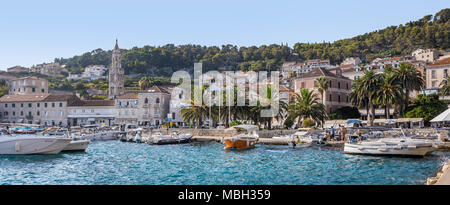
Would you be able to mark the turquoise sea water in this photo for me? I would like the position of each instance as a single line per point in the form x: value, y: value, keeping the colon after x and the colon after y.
x: 115, y: 162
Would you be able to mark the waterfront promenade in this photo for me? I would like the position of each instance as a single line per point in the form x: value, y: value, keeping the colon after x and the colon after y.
x: 444, y: 179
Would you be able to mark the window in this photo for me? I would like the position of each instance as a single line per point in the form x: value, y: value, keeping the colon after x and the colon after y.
x: 29, y: 114
x: 445, y: 73
x: 14, y: 113
x: 53, y: 104
x: 45, y: 104
x: 13, y: 105
x: 33, y: 90
x: 21, y: 113
x: 173, y: 116
x: 339, y: 98
x: 433, y: 84
x: 339, y: 85
x: 6, y: 104
x: 330, y: 99
x: 331, y: 84
x: 146, y: 100
x: 6, y: 113
x: 38, y: 104
x: 21, y: 104
x: 433, y: 74
x: 42, y: 90
x: 38, y: 113
x: 60, y: 104
x: 157, y: 100
x: 303, y: 85
x: 30, y: 105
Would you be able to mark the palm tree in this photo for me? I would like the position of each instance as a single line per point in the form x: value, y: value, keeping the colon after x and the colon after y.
x: 145, y: 83
x: 307, y: 105
x: 368, y: 86
x: 322, y: 85
x: 444, y: 89
x: 410, y: 79
x: 358, y: 97
x: 195, y: 113
x: 388, y: 92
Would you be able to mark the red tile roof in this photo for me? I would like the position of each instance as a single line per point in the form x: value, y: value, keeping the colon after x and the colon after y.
x: 128, y: 96
x: 40, y: 98
x: 445, y: 61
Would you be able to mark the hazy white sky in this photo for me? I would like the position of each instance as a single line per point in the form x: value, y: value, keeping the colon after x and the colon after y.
x: 33, y: 32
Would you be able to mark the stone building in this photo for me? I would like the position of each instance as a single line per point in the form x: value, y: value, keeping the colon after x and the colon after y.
x: 426, y: 55
x: 148, y: 107
x: 116, y: 74
x: 18, y: 69
x: 43, y: 109
x: 28, y: 85
x: 92, y: 72
x: 91, y: 112
x: 436, y: 73
x: 339, y: 87
x: 50, y: 69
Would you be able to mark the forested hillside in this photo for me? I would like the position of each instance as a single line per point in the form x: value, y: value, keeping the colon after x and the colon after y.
x: 428, y: 32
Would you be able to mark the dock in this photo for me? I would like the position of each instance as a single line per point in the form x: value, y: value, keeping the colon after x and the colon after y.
x: 444, y: 175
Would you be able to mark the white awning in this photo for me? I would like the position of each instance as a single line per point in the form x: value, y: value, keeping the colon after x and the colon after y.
x: 443, y: 117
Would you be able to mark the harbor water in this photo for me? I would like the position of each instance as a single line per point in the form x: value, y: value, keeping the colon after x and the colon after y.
x: 198, y: 163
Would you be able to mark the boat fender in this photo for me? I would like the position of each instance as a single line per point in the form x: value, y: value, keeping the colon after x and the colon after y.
x: 18, y: 146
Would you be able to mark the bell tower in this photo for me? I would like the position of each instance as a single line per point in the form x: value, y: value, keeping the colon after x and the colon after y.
x: 116, y: 74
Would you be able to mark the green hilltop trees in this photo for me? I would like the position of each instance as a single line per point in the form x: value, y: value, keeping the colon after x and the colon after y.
x: 428, y: 32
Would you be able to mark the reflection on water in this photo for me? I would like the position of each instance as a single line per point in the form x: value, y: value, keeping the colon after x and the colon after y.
x: 116, y: 162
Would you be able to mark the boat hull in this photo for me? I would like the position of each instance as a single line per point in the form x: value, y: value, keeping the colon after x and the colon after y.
x: 77, y: 146
x: 389, y: 150
x: 170, y: 140
x: 239, y: 144
x: 101, y: 136
x: 32, y: 145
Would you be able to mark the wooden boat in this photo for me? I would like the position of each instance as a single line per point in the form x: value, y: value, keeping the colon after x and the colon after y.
x: 245, y: 139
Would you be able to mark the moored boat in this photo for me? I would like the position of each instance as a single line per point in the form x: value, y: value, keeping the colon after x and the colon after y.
x: 77, y: 146
x: 396, y: 147
x: 174, y: 138
x: 31, y: 144
x: 245, y: 139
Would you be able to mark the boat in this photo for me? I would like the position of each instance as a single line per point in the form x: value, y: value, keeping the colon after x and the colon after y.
x: 393, y: 146
x: 77, y: 146
x: 100, y: 135
x: 301, y: 139
x: 175, y: 138
x: 245, y: 139
x: 19, y: 144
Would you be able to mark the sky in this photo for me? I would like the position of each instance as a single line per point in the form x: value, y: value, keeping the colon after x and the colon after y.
x: 34, y: 32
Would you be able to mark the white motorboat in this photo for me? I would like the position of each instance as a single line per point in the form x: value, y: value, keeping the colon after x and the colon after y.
x: 301, y: 139
x: 393, y: 146
x: 174, y: 138
x: 101, y: 136
x: 77, y: 146
x: 31, y: 144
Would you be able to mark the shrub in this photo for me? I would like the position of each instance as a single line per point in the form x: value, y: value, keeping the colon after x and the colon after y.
x: 308, y: 122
